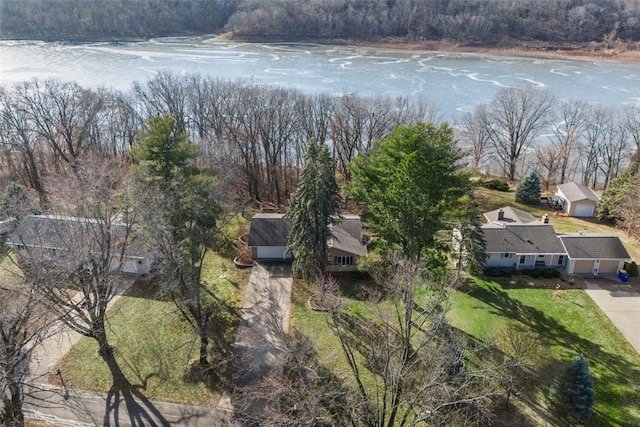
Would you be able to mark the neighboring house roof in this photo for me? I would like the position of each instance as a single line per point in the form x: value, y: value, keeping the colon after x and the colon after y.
x: 522, y: 239
x: 268, y: 229
x: 344, y: 241
x: 575, y: 192
x: 61, y: 233
x: 593, y: 246
x: 510, y: 216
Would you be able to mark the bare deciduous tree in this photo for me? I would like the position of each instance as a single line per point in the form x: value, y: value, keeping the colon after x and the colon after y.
x: 516, y: 117
x: 24, y: 324
x: 567, y: 132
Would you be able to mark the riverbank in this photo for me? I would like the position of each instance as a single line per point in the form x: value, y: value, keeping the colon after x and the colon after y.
x: 591, y: 51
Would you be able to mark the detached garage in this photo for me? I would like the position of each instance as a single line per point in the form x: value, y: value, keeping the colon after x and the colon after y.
x: 594, y: 254
x: 577, y: 199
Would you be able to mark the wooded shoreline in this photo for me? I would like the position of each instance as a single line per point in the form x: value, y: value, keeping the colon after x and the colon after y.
x: 579, y: 52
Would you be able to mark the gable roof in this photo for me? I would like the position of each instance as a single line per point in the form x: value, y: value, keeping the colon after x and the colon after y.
x: 510, y: 216
x: 575, y: 192
x: 269, y: 229
x: 522, y: 239
x: 344, y: 241
x: 594, y: 246
x: 64, y: 233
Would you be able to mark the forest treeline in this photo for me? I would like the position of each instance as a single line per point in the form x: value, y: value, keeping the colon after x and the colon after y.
x: 253, y: 137
x: 480, y: 22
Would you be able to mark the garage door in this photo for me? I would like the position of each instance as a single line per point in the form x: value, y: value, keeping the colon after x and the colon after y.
x: 583, y: 210
x: 609, y: 266
x: 583, y: 267
x: 271, y: 252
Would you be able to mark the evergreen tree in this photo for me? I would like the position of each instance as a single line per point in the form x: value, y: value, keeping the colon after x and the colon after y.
x: 528, y: 190
x: 468, y: 238
x: 573, y: 396
x: 182, y: 217
x: 624, y: 185
x: 413, y: 188
x: 313, y: 207
x: 18, y: 203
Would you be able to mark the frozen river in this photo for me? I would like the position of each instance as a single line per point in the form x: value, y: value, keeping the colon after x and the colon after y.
x: 456, y: 81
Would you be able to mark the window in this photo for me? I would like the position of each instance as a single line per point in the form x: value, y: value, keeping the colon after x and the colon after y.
x: 505, y: 255
x: 343, y: 260
x: 560, y: 259
x: 540, y: 256
x: 523, y: 258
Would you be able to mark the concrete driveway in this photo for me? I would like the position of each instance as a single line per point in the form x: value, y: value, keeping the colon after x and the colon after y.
x: 621, y: 303
x: 262, y: 333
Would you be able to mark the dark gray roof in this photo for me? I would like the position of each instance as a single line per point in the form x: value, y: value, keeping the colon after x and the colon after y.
x: 511, y: 216
x: 63, y: 233
x: 575, y: 192
x: 344, y: 241
x: 594, y: 247
x: 273, y: 230
x: 269, y: 230
x: 522, y: 239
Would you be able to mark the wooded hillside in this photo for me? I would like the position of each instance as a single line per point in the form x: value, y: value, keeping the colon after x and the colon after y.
x: 471, y: 22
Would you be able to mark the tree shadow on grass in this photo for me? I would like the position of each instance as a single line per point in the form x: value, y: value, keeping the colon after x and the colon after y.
x: 614, y: 374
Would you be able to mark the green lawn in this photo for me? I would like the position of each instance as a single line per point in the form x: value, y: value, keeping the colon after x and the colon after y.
x: 568, y: 324
x: 154, y: 345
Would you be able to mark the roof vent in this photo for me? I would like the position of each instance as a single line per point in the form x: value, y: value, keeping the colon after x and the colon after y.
x: 545, y: 219
x: 500, y: 214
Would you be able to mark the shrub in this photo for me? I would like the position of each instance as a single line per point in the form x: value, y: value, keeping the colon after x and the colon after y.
x: 495, y: 184
x: 632, y: 268
x: 551, y: 273
x: 497, y: 271
x: 535, y: 273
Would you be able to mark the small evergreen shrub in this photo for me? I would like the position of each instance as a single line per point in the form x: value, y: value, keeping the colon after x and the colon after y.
x: 632, y: 268
x: 572, y: 394
x: 528, y: 190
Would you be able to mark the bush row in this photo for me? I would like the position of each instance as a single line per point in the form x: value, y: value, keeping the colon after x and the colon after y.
x: 545, y: 273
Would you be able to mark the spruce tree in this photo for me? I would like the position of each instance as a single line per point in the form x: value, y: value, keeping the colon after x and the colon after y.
x: 312, y: 209
x: 573, y: 396
x: 18, y: 203
x: 528, y: 190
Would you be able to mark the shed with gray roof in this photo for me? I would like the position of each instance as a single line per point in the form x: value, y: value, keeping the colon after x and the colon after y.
x: 577, y: 199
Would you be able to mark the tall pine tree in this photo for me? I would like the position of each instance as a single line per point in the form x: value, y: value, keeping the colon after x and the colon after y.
x: 312, y: 209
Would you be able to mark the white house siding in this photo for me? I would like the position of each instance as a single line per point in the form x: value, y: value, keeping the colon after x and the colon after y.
x: 496, y: 259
